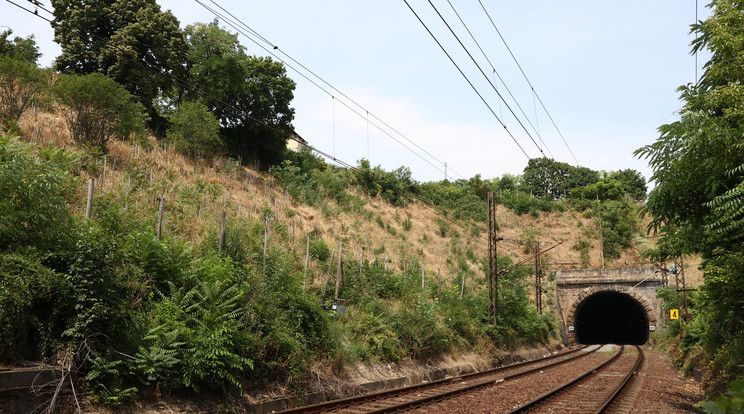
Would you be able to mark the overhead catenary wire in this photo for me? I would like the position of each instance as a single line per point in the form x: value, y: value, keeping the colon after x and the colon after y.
x: 496, y: 73
x: 234, y: 21
x: 482, y: 72
x: 27, y: 10
x: 221, y: 102
x: 467, y: 79
x: 528, y: 81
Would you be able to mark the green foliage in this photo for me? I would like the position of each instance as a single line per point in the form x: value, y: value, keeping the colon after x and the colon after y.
x: 582, y: 246
x: 19, y: 48
x: 522, y: 203
x: 618, y: 221
x: 633, y: 183
x: 308, y: 178
x: 697, y: 163
x: 132, y: 42
x: 21, y: 84
x: 459, y: 197
x: 319, y: 250
x: 194, y: 130
x: 407, y: 224
x: 98, y: 108
x: 545, y: 177
x: 392, y: 186
x: 607, y: 188
x: 732, y: 402
x: 33, y: 195
x: 249, y: 95
x: 33, y: 308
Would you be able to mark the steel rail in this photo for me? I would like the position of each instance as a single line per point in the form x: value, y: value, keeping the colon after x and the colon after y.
x: 386, y: 394
x: 624, y: 384
x: 441, y: 396
x: 531, y: 405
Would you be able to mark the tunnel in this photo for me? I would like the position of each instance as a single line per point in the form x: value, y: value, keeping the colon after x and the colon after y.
x: 611, y: 318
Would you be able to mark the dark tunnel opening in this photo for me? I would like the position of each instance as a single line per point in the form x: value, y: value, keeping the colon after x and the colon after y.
x: 611, y: 318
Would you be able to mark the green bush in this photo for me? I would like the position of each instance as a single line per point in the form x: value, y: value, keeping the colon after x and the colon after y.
x: 98, y: 108
x: 319, y: 250
x: 34, y: 308
x: 33, y: 196
x: 194, y: 130
x: 21, y: 84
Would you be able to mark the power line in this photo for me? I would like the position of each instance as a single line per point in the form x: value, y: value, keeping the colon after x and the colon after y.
x: 29, y: 11
x: 528, y: 80
x: 483, y: 73
x: 225, y: 104
x: 499, y: 76
x: 234, y: 21
x: 467, y: 79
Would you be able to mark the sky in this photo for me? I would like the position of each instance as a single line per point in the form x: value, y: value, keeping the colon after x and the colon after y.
x: 606, y: 71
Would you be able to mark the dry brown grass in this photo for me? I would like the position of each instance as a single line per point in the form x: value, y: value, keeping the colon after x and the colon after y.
x: 245, y: 191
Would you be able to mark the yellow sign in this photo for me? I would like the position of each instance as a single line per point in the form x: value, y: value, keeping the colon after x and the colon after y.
x: 673, y: 313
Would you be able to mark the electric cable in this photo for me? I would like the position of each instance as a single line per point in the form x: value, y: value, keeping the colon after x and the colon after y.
x: 273, y: 128
x: 528, y: 81
x: 495, y: 72
x: 467, y: 79
x: 484, y: 75
x: 272, y: 46
x: 27, y: 10
x: 270, y: 51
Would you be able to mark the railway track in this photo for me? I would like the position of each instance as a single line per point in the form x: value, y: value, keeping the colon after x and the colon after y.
x: 595, y: 391
x: 418, y: 395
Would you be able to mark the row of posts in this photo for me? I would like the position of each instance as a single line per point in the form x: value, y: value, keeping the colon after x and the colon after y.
x: 221, y: 242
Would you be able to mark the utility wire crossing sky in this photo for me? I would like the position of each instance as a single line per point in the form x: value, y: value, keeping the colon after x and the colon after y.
x: 583, y: 83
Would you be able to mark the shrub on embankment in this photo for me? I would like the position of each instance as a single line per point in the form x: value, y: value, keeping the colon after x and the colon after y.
x: 137, y: 312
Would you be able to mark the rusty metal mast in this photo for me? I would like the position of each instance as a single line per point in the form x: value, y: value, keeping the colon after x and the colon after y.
x: 538, y: 279
x: 493, y: 285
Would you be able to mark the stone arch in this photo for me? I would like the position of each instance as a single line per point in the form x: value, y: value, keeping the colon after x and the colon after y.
x: 638, y: 297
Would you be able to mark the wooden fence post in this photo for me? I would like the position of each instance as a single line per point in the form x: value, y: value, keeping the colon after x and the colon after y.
x: 423, y: 272
x: 222, y: 234
x: 307, y: 263
x: 160, y: 217
x: 266, y: 241
x: 330, y: 267
x: 439, y: 282
x: 361, y: 262
x: 89, y: 205
x: 340, y: 271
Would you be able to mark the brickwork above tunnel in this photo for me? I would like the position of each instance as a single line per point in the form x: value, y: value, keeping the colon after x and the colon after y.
x: 575, y: 286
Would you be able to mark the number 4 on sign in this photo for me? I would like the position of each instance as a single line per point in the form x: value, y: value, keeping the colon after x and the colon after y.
x: 673, y: 313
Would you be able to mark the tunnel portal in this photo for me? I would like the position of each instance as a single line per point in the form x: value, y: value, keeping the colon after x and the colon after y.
x: 611, y: 317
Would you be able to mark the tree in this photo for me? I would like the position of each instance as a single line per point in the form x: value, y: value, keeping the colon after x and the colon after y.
x: 21, y: 84
x: 632, y: 182
x: 699, y: 176
x: 134, y: 42
x: 19, y: 48
x: 545, y: 177
x: 98, y: 108
x: 194, y: 130
x: 249, y: 95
